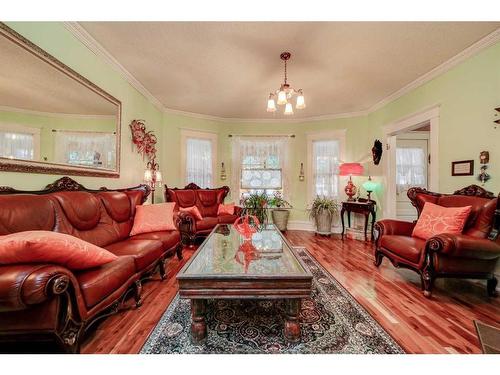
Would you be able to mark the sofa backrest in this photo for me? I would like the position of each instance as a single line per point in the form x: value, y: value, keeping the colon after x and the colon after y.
x: 480, y: 221
x: 207, y: 200
x: 98, y: 217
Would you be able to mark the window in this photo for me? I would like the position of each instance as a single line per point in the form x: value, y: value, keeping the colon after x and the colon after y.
x: 259, y: 165
x: 410, y: 168
x: 199, y: 158
x: 19, y: 142
x: 324, y: 154
x: 93, y: 149
x: 326, y: 168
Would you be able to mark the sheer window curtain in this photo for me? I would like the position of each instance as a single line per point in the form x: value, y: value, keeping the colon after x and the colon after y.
x: 269, y: 151
x: 325, y: 163
x: 410, y: 168
x: 199, y: 162
x: 17, y: 145
x: 95, y: 149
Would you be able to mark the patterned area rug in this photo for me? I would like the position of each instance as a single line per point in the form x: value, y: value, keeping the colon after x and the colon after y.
x: 331, y: 322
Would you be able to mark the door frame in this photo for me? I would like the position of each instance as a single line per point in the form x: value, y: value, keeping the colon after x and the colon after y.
x: 402, y: 125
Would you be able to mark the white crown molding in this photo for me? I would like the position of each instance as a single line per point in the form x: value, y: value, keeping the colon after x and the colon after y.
x: 57, y: 115
x: 470, y: 51
x: 93, y: 45
x: 83, y: 36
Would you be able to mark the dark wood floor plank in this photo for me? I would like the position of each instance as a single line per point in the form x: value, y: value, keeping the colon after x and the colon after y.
x: 442, y: 324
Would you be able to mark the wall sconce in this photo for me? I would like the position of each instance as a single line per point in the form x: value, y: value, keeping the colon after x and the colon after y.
x: 301, y: 174
x: 153, y: 177
x: 223, y: 175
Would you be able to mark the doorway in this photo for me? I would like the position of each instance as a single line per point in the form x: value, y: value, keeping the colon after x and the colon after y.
x: 412, y: 160
x: 416, y: 137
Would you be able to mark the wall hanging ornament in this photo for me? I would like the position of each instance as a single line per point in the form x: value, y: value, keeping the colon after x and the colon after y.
x: 144, y: 141
x: 484, y: 159
x: 377, y: 151
x: 496, y: 119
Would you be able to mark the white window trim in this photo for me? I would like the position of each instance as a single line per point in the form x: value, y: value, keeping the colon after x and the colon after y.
x: 331, y: 135
x: 212, y: 137
x: 16, y: 128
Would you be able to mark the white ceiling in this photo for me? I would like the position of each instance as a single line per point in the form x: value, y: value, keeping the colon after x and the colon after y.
x: 29, y: 83
x: 227, y: 69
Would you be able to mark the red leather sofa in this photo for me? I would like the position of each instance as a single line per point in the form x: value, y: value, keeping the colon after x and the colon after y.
x: 207, y: 201
x: 48, y: 301
x: 472, y: 254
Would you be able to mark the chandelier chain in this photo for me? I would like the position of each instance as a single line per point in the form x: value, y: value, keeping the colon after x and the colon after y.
x: 285, y: 73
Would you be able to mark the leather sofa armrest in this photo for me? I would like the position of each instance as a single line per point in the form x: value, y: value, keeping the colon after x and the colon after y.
x: 394, y: 227
x: 238, y: 211
x: 22, y: 285
x: 460, y: 245
x: 186, y: 222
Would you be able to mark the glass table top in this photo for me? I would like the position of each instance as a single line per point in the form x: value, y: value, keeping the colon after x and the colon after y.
x: 226, y: 252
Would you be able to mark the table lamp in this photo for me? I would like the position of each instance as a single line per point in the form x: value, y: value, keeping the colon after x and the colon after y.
x: 350, y: 169
x: 152, y: 176
x: 369, y: 186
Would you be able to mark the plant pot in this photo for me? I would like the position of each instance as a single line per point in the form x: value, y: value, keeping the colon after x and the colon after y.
x: 280, y: 218
x: 324, y: 223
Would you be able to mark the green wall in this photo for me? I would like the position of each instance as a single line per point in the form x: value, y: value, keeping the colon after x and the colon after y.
x: 46, y: 123
x: 467, y: 95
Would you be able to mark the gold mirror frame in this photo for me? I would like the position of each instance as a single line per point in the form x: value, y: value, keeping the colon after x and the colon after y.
x: 24, y: 166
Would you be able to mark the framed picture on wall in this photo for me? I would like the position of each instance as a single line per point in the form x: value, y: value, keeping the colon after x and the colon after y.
x: 462, y: 168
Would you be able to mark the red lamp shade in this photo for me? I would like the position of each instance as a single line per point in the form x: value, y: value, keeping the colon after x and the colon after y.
x: 351, y: 169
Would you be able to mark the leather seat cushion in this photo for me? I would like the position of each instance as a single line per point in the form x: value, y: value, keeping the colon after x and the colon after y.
x: 406, y: 247
x: 207, y: 223
x: 227, y: 219
x: 168, y: 238
x: 144, y: 252
x: 98, y: 283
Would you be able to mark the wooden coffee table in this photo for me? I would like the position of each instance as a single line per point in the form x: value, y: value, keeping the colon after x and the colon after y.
x: 228, y: 267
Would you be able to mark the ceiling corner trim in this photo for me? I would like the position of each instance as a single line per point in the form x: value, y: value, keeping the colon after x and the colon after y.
x: 93, y: 45
x: 473, y: 49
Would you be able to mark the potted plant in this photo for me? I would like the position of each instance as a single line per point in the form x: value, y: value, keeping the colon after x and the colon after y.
x: 281, y: 213
x: 323, y: 211
x: 256, y: 204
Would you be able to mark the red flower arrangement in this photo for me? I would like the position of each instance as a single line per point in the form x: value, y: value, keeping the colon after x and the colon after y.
x: 247, y: 225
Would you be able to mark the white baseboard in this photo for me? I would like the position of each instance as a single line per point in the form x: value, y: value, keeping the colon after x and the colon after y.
x: 308, y: 226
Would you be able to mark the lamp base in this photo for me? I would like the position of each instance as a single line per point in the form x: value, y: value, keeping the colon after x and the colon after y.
x: 350, y: 190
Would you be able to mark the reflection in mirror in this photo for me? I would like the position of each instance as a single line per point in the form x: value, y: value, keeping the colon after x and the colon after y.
x: 51, y: 115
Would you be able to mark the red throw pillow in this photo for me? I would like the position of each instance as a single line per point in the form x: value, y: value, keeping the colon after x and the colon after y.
x: 153, y: 218
x: 41, y: 246
x: 436, y: 219
x: 193, y: 210
x: 225, y: 209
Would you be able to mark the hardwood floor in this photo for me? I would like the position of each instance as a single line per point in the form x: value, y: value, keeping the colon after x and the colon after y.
x: 443, y: 324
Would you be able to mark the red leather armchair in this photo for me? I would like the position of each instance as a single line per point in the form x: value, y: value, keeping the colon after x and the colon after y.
x: 207, y: 201
x: 472, y: 254
x: 50, y: 302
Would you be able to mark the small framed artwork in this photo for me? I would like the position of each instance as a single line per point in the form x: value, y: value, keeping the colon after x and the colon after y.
x: 462, y: 168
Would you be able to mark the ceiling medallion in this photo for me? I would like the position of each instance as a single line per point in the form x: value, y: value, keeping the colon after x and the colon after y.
x: 285, y: 93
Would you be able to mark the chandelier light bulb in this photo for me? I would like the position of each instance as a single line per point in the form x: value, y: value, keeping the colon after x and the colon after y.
x: 301, y: 103
x: 271, y: 106
x: 288, y: 109
x: 282, y: 97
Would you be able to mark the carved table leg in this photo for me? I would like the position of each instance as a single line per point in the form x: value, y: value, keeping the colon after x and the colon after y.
x: 367, y: 214
x: 198, y: 323
x: 342, y: 211
x: 292, y: 326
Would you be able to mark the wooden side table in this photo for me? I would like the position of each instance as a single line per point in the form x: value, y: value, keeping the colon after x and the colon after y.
x: 365, y: 208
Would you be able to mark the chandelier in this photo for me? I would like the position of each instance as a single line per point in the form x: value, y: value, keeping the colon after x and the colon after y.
x: 285, y: 93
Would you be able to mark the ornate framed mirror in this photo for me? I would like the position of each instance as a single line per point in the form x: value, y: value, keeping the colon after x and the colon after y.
x: 52, y: 119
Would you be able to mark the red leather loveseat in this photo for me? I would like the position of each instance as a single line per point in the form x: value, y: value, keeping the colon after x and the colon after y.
x: 48, y: 301
x: 207, y: 201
